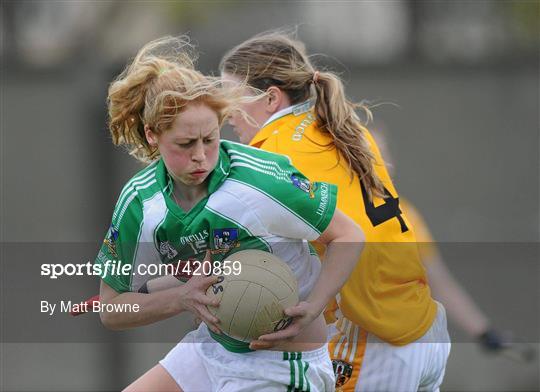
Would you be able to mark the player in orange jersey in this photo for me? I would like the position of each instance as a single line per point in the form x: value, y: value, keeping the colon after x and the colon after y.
x: 384, y: 314
x: 460, y: 306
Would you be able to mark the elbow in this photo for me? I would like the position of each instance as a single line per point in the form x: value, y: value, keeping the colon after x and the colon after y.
x: 110, y: 321
x: 357, y: 239
x: 357, y: 234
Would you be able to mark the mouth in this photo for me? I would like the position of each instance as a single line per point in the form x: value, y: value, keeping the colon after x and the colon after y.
x: 198, y: 173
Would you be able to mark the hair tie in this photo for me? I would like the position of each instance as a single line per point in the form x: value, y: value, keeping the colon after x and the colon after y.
x: 316, y: 76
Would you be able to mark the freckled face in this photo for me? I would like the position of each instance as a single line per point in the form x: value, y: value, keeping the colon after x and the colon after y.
x: 190, y: 148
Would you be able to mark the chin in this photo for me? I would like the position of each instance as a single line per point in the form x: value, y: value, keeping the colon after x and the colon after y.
x: 198, y: 181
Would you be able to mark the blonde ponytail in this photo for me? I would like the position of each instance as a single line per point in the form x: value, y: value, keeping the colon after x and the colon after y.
x: 336, y: 115
x: 275, y: 59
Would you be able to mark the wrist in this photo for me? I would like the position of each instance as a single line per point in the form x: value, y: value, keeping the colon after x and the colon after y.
x: 178, y: 300
x: 318, y: 305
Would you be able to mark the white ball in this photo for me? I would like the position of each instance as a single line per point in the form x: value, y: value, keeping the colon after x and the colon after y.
x: 253, y: 303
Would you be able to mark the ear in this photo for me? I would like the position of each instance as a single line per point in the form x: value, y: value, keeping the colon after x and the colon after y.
x: 274, y: 99
x: 151, y: 137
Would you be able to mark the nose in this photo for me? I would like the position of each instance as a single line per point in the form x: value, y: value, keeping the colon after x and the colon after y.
x: 198, y: 153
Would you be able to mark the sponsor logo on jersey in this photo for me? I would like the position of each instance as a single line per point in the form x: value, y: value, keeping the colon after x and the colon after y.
x: 102, y: 257
x: 200, y: 236
x: 342, y: 370
x: 167, y: 250
x: 225, y: 240
x: 324, y: 199
x: 110, y: 240
x: 305, y: 185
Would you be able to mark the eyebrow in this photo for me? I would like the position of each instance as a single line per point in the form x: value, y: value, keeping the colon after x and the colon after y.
x: 195, y: 138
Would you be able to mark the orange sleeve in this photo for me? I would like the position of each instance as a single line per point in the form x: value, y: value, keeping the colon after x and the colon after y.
x: 426, y: 244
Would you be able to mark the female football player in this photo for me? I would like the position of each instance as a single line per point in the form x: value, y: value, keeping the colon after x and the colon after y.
x: 194, y: 189
x: 460, y: 306
x: 384, y: 312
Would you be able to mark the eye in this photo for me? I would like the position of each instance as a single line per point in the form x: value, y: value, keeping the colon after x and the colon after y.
x: 185, y: 145
x: 209, y: 140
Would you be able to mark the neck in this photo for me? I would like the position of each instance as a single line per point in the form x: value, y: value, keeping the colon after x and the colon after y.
x: 188, y: 196
x: 285, y: 107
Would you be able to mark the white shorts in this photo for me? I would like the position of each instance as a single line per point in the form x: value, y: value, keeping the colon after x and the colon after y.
x: 199, y: 363
x: 366, y: 363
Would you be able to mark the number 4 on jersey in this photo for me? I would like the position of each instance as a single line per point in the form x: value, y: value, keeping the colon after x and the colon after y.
x: 390, y: 209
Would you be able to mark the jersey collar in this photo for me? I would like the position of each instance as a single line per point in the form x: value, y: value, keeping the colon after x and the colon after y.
x: 265, y: 132
x: 221, y: 171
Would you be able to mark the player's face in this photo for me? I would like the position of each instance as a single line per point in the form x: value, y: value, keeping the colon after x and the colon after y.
x: 190, y: 148
x: 257, y: 111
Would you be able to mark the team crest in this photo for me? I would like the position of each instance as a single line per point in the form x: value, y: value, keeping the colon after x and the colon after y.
x: 225, y: 240
x: 166, y: 249
x: 110, y: 241
x: 304, y: 185
x: 342, y: 370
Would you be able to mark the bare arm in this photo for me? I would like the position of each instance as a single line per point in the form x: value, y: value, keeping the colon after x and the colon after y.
x: 159, y: 305
x: 345, y: 241
x: 460, y: 306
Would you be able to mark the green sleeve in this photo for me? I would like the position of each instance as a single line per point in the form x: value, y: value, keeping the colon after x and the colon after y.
x: 120, y: 245
x: 287, y: 203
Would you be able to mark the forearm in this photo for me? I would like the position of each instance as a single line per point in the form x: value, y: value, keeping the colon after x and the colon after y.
x: 344, y: 242
x: 340, y: 260
x: 152, y: 308
x: 460, y: 306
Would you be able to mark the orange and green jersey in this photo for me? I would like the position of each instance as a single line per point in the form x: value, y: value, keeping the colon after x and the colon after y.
x: 387, y: 293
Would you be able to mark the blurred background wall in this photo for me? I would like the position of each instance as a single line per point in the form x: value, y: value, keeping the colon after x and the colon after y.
x: 456, y: 88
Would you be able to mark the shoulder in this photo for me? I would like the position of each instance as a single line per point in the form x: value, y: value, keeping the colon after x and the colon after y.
x: 298, y: 134
x: 237, y: 151
x: 142, y: 180
x: 257, y: 172
x: 142, y: 186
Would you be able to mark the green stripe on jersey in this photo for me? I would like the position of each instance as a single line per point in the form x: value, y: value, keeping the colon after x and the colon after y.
x: 271, y: 168
x: 273, y: 175
x: 141, y: 178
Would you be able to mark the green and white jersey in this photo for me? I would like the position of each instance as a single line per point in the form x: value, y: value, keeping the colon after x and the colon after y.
x: 256, y: 200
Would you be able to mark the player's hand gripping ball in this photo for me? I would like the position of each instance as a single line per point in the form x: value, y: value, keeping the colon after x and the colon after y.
x: 253, y: 303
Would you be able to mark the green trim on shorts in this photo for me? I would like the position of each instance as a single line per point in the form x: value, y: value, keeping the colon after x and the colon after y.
x: 301, y: 375
x: 292, y: 383
x: 303, y: 382
x: 306, y: 367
